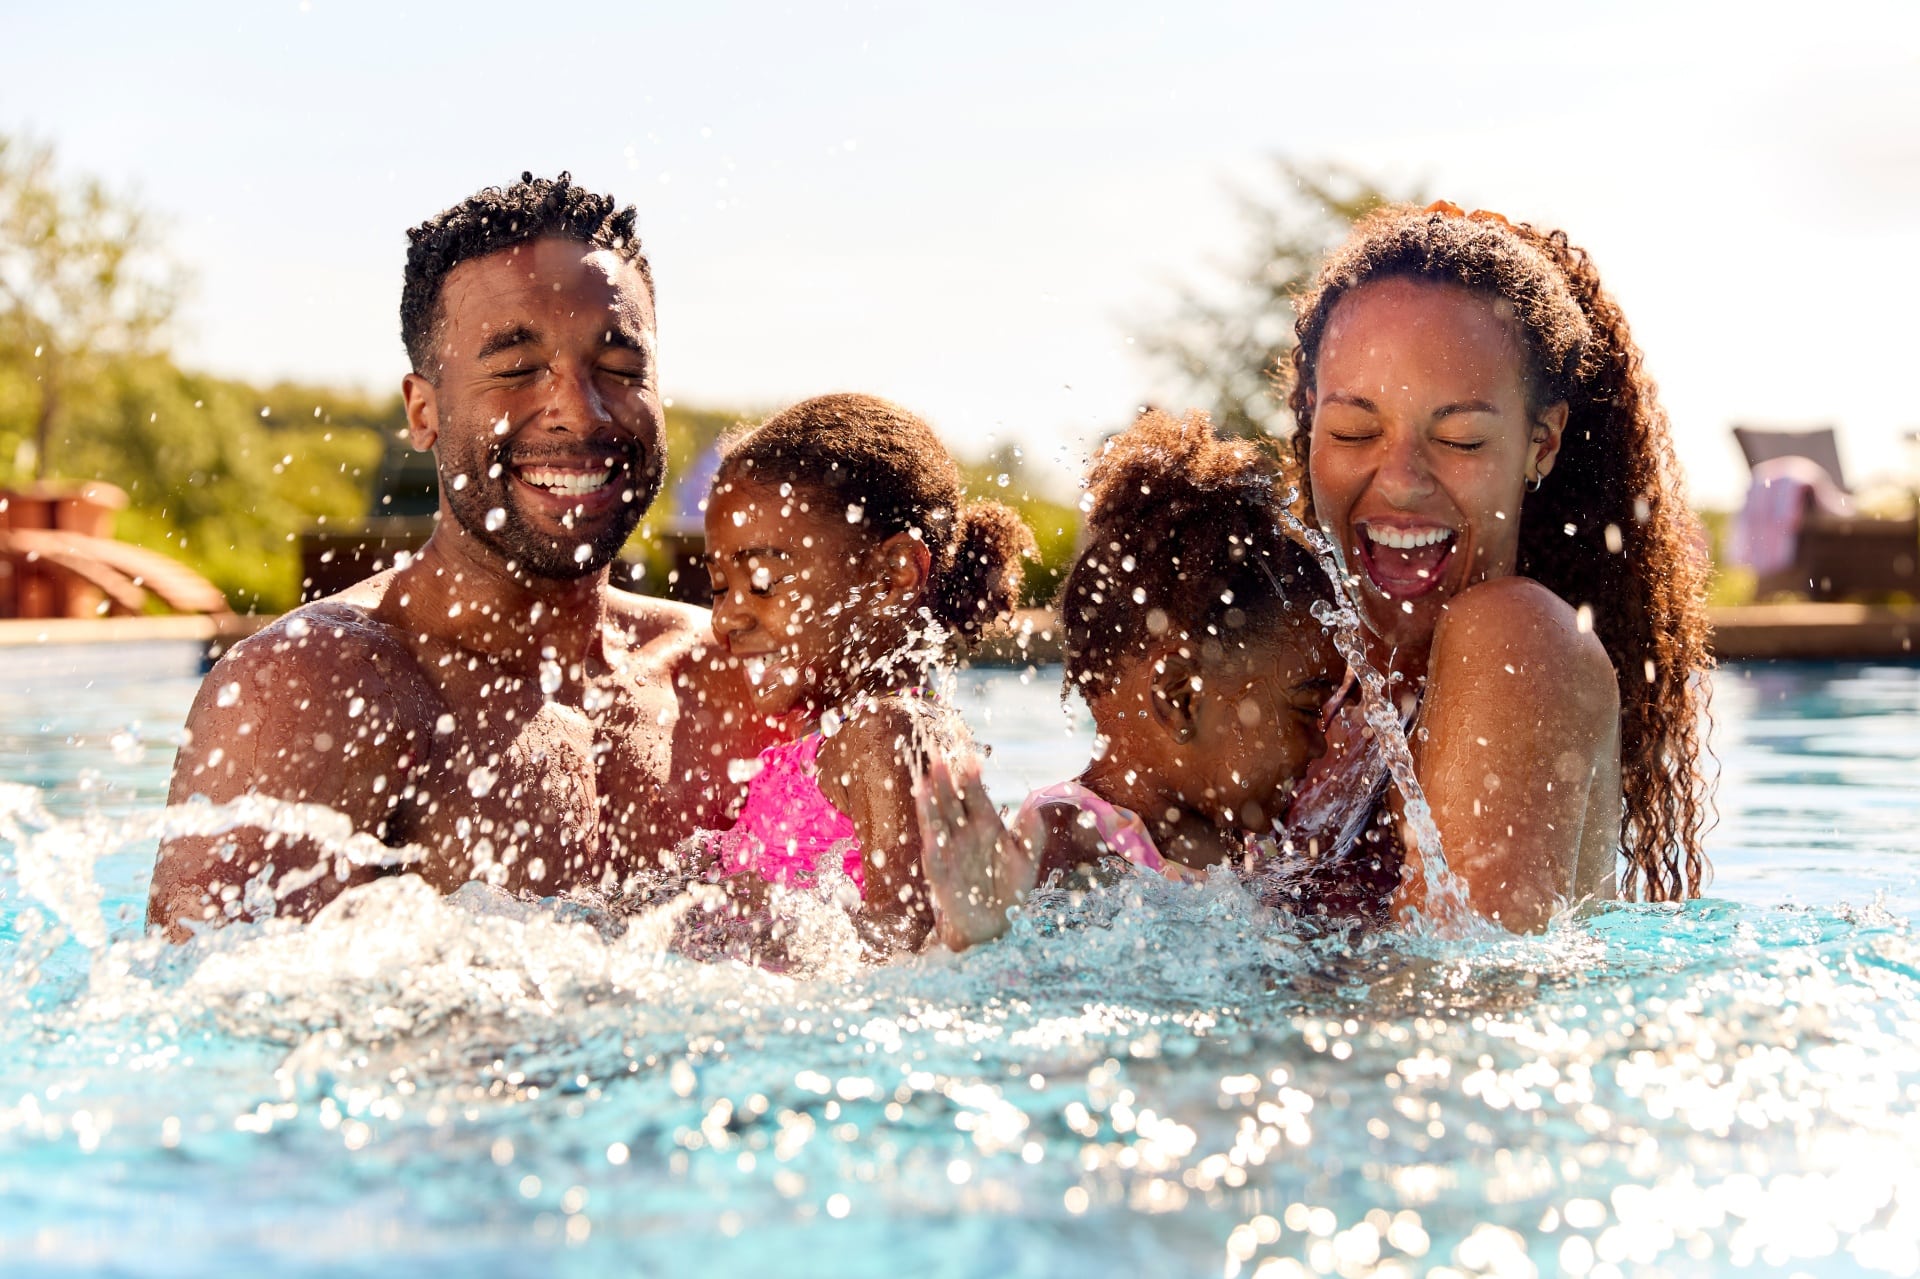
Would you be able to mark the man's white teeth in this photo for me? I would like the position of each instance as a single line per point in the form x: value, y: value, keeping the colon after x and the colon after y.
x: 1408, y: 540
x: 572, y: 483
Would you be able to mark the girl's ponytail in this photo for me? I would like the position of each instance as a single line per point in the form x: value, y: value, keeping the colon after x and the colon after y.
x: 980, y: 584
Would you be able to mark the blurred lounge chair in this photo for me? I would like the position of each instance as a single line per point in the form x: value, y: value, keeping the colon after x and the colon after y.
x: 1799, y: 530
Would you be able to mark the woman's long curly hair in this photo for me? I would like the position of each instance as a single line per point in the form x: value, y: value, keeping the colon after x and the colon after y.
x: 1609, y: 529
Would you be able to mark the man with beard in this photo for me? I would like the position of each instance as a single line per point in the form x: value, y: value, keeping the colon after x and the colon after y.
x: 491, y: 709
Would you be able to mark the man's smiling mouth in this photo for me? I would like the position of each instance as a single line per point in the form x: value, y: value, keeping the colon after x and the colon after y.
x: 568, y: 481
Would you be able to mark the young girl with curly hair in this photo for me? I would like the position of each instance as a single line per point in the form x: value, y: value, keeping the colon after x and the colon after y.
x: 847, y: 572
x: 1477, y: 436
x: 1189, y: 630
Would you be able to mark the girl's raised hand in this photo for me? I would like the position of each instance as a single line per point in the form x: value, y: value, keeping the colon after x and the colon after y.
x: 976, y: 868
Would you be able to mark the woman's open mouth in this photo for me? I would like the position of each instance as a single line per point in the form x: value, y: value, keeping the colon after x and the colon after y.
x: 1405, y: 563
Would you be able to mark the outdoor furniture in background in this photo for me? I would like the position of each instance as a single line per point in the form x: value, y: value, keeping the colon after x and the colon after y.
x: 1799, y: 531
x: 59, y: 559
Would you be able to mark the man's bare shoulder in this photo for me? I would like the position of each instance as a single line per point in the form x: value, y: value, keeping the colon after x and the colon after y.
x: 338, y: 635
x: 294, y: 707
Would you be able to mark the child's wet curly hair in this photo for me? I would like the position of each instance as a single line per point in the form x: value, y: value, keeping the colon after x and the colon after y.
x: 876, y: 458
x: 1185, y: 539
x: 1609, y: 528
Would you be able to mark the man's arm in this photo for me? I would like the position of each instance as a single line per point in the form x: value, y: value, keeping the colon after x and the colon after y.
x: 317, y: 709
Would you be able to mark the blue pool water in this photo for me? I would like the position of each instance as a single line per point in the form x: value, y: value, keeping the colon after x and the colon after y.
x: 1160, y: 1080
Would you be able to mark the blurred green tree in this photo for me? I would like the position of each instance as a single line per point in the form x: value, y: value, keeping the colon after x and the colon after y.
x: 83, y: 282
x: 220, y: 474
x: 1228, y: 344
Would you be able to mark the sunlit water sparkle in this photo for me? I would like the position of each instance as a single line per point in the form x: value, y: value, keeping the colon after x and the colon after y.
x: 1157, y: 1078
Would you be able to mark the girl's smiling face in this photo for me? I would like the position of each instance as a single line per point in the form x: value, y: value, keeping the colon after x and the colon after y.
x: 788, y: 581
x: 1424, y: 440
x: 1258, y: 717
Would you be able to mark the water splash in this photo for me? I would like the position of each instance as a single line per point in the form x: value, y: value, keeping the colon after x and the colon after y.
x: 1443, y: 905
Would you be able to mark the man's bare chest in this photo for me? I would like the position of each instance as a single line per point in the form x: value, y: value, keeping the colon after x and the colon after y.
x: 532, y: 791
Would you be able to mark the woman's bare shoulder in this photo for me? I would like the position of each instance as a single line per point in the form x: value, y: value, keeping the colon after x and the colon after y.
x: 1515, y: 626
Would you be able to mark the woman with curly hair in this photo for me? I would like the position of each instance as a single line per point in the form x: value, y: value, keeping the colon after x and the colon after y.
x: 1477, y: 437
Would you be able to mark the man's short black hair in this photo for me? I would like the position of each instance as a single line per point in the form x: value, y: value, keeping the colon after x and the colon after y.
x: 498, y: 218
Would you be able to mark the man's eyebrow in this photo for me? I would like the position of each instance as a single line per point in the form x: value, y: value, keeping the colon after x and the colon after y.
x: 505, y: 340
x: 1357, y: 401
x: 623, y: 340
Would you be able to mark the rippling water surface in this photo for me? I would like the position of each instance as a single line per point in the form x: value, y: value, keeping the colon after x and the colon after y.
x: 1158, y: 1079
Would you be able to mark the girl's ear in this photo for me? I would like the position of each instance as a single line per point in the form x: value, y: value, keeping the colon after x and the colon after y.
x: 905, y: 565
x: 423, y: 411
x: 1176, y: 686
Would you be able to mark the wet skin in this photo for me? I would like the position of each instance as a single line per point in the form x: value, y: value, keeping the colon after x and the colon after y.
x: 494, y: 708
x: 1424, y: 434
x: 812, y: 607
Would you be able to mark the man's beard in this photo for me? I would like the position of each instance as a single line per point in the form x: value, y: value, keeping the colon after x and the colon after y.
x: 489, y: 489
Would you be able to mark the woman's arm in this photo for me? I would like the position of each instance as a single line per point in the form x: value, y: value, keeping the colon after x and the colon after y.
x: 1518, y: 732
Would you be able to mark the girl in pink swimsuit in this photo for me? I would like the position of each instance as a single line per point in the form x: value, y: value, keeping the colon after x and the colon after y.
x: 847, y: 575
x: 1188, y: 628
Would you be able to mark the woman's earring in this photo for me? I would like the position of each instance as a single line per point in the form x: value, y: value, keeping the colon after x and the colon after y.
x: 1533, y: 485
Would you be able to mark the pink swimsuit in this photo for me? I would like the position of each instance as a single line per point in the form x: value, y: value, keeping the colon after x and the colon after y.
x: 788, y: 824
x: 1120, y: 829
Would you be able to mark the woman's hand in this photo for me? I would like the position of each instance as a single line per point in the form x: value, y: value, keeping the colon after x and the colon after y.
x: 976, y: 868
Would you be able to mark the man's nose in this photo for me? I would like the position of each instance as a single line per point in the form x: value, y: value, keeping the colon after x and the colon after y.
x: 1404, y: 477
x: 575, y: 401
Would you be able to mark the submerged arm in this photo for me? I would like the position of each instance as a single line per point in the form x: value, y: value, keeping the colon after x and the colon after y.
x: 1519, y: 724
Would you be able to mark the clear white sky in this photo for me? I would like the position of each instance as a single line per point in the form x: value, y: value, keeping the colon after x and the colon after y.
x: 968, y: 206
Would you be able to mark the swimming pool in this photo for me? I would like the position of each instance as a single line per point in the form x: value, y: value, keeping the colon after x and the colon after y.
x: 1169, y: 1082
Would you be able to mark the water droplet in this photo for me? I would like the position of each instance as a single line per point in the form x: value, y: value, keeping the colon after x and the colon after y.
x: 582, y: 553
x: 762, y: 578
x: 297, y: 628
x: 855, y: 512
x: 443, y: 725
x: 459, y: 481
x: 495, y: 518
x: 229, y: 695
x: 742, y: 771
x: 481, y: 781
x: 550, y: 678
x: 1139, y: 595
